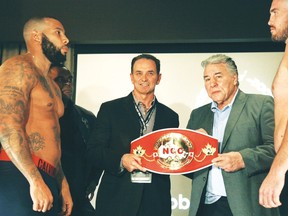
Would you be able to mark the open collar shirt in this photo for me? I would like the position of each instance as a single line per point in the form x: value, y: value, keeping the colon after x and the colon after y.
x: 215, y: 185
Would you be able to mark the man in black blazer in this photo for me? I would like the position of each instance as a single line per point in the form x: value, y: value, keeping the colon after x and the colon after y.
x: 119, y: 122
x: 76, y: 125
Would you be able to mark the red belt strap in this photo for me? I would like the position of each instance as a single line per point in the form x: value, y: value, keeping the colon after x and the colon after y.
x: 40, y: 163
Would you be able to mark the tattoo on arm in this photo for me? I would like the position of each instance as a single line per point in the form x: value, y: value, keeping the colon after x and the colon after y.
x: 13, y: 139
x: 15, y: 108
x: 12, y: 91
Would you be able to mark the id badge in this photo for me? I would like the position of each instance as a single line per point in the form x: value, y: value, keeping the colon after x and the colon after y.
x: 141, y: 177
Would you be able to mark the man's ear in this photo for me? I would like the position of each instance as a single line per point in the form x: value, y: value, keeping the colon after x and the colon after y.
x: 36, y: 36
x: 159, y: 78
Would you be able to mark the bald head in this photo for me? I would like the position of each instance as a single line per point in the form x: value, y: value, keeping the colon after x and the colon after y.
x: 45, y: 37
x: 34, y: 24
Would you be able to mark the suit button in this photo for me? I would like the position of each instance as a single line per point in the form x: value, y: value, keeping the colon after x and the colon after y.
x: 204, y: 179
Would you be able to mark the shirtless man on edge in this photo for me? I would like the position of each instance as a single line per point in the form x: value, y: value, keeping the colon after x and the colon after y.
x: 30, y: 107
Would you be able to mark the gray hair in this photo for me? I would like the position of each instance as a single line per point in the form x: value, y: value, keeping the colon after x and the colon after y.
x: 221, y: 58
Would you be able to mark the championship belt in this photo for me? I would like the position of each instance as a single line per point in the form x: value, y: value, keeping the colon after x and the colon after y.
x: 175, y: 150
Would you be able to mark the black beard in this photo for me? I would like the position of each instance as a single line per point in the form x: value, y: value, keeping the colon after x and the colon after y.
x: 52, y: 53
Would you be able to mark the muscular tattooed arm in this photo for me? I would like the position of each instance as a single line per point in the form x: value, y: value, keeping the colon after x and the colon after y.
x: 16, y: 83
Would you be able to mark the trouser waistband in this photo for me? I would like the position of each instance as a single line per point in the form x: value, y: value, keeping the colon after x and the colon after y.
x: 40, y: 163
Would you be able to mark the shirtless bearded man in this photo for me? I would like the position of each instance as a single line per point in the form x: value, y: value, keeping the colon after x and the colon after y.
x: 31, y: 176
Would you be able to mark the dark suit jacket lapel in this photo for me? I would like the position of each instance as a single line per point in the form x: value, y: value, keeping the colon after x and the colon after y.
x: 133, y: 118
x: 208, y: 118
x: 160, y: 115
x: 237, y: 108
x: 157, y: 124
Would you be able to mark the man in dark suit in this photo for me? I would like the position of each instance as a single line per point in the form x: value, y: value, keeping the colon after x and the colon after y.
x: 119, y: 122
x: 76, y: 125
x: 244, y: 126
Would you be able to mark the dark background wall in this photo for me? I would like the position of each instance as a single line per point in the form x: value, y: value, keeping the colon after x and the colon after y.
x: 143, y: 21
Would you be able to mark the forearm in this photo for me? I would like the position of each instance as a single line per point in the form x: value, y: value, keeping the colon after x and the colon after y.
x: 64, y: 189
x: 16, y: 146
x: 280, y: 163
x: 60, y: 177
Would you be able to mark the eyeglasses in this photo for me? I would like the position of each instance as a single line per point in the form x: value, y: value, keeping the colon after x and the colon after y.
x: 64, y: 80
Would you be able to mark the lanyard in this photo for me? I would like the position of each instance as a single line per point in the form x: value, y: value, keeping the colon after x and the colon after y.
x: 144, y: 122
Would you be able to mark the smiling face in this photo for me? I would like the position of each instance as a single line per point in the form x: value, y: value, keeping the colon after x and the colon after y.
x: 144, y: 77
x: 278, y: 21
x: 220, y: 83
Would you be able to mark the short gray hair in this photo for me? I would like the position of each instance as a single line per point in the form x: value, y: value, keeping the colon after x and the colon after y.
x: 221, y: 58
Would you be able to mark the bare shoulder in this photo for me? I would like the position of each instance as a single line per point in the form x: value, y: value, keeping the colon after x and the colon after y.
x: 17, y: 74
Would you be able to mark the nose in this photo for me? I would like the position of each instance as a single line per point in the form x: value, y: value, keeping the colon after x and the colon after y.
x: 213, y: 83
x: 144, y: 77
x: 65, y: 40
x: 270, y: 21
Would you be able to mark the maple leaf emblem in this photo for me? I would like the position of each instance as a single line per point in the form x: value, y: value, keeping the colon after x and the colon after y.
x: 139, y: 151
x: 209, y: 150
